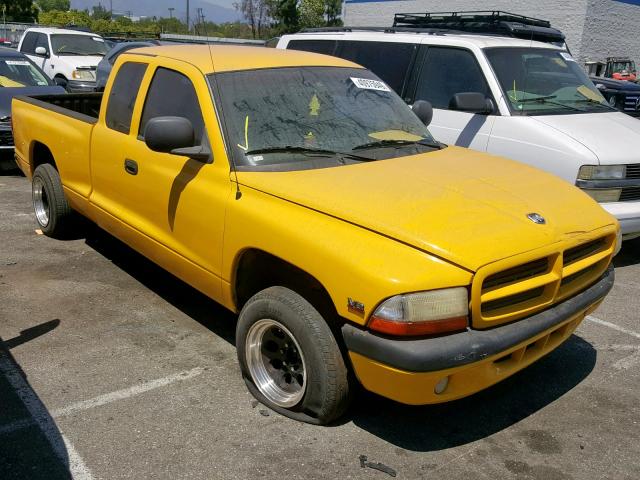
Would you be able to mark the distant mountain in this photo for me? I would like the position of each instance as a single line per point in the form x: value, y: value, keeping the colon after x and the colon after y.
x: 160, y: 8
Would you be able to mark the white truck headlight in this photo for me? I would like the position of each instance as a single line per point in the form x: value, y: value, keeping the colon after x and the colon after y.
x: 423, y: 313
x: 603, y: 195
x: 82, y: 75
x: 602, y: 172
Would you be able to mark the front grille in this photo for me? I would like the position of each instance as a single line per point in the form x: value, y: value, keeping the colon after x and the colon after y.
x: 630, y: 103
x: 6, y: 139
x: 523, y: 289
x: 630, y: 193
x: 633, y: 170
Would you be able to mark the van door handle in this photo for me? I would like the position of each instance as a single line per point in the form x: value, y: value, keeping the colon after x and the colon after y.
x: 131, y: 166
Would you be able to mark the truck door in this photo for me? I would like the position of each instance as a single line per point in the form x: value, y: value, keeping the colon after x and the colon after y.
x: 443, y: 72
x: 176, y: 202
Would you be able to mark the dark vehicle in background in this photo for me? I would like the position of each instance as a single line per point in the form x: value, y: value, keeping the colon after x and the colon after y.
x: 106, y: 64
x: 18, y: 76
x: 621, y: 94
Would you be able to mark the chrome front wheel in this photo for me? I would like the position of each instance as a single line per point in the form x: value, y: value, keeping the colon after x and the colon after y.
x: 276, y: 363
x: 40, y: 202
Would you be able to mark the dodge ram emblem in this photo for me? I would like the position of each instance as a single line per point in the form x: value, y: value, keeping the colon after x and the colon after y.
x: 536, y: 218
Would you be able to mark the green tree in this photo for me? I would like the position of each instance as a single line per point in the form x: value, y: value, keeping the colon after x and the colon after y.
x: 48, y: 5
x: 312, y: 13
x: 19, y: 10
x: 285, y: 15
x: 98, y: 12
x: 333, y: 9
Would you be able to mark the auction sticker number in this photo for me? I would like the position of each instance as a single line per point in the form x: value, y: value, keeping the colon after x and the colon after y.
x: 368, y: 84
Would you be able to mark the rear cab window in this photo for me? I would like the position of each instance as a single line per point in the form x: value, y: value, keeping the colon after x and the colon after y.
x: 123, y: 95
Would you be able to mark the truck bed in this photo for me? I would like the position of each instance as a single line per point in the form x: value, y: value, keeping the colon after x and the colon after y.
x: 82, y: 106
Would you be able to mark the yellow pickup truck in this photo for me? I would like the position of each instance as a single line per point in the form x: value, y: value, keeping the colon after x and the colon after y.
x: 300, y: 191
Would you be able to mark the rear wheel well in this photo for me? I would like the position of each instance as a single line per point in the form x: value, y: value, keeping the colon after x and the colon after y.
x: 41, y: 155
x: 257, y: 270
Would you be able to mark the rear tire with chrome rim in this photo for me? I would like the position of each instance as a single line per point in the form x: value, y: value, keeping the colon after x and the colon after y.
x: 53, y: 214
x: 289, y: 358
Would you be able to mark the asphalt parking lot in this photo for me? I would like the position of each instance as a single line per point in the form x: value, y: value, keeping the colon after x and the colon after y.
x: 111, y: 368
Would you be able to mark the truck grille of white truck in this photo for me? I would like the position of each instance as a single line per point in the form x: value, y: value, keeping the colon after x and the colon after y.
x: 633, y: 170
x: 510, y: 290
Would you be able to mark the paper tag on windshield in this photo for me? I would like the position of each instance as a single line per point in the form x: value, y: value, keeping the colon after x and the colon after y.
x: 567, y: 57
x: 368, y: 84
x: 16, y: 62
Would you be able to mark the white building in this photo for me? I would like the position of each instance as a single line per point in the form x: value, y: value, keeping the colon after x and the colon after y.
x: 595, y: 29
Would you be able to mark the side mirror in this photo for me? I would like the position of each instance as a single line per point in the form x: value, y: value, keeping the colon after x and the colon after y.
x: 423, y: 110
x: 42, y: 52
x: 174, y: 135
x: 472, y: 102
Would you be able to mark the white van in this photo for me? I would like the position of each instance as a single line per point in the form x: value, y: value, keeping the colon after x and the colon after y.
x: 69, y: 57
x: 523, y: 99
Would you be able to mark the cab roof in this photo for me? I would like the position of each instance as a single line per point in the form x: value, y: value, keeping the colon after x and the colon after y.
x: 227, y: 58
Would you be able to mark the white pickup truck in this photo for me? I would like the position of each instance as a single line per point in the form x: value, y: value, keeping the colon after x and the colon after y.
x: 523, y: 99
x: 69, y: 57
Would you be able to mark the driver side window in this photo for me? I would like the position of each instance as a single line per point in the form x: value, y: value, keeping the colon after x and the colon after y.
x: 172, y: 94
x: 447, y: 71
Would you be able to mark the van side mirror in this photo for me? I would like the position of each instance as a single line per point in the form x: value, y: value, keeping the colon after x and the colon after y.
x: 41, y: 51
x: 424, y: 111
x: 472, y: 102
x: 174, y: 135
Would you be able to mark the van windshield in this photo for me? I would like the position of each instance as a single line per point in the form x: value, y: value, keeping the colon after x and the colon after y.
x: 540, y: 81
x: 69, y: 44
x: 315, y: 117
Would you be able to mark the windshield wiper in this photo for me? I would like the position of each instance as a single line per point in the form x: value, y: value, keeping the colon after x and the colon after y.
x: 397, y: 143
x: 84, y: 54
x: 547, y: 100
x: 309, y: 150
x: 536, y: 99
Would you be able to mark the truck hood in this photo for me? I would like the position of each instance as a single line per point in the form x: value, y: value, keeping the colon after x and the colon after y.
x: 7, y: 94
x: 466, y: 207
x: 613, y: 137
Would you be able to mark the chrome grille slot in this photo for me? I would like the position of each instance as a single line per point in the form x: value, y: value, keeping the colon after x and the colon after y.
x: 515, y: 274
x: 511, y: 300
x: 630, y: 193
x: 633, y: 170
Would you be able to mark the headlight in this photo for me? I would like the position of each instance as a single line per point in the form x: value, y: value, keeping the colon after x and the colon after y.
x: 602, y: 172
x: 82, y: 75
x: 423, y: 313
x: 613, y: 99
x: 603, y: 195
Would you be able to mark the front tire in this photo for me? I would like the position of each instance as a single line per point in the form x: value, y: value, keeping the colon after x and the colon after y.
x: 289, y: 358
x: 53, y: 214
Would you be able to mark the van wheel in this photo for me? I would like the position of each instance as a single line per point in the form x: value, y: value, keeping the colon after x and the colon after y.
x: 53, y: 214
x: 289, y: 358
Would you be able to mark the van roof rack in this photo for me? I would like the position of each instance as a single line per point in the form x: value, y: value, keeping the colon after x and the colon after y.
x: 495, y: 22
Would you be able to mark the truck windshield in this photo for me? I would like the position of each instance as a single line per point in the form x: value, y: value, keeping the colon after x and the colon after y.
x: 70, y: 44
x: 539, y: 81
x: 314, y: 117
x: 20, y: 72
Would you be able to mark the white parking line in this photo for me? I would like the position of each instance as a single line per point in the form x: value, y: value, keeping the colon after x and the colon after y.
x: 612, y: 326
x: 102, y: 399
x: 62, y: 448
x: 126, y: 393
